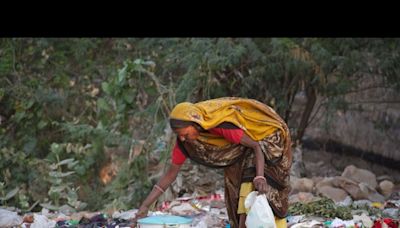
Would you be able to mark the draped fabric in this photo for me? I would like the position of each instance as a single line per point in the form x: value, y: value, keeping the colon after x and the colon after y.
x: 255, y: 118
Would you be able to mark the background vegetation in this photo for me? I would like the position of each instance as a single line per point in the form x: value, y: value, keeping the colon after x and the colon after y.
x: 70, y: 109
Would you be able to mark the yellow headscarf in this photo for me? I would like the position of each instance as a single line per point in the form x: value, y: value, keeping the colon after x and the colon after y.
x: 255, y: 118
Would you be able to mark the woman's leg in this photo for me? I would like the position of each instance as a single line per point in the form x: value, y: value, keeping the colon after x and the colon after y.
x: 242, y: 220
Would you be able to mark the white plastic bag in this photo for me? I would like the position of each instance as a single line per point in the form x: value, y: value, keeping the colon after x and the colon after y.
x: 9, y: 218
x: 260, y: 214
x: 41, y: 221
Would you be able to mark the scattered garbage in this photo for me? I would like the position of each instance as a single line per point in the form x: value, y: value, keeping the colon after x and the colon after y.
x: 163, y: 221
x: 307, y: 224
x: 291, y: 220
x: 209, y: 211
x: 126, y: 215
x: 364, y: 219
x: 9, y: 218
x: 386, y: 222
x: 41, y: 221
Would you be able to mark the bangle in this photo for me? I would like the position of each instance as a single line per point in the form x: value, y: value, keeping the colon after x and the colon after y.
x: 159, y: 188
x: 259, y: 177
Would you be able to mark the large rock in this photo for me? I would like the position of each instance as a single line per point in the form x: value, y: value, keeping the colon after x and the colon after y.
x: 360, y: 175
x: 350, y: 187
x: 357, y: 190
x: 327, y: 181
x: 301, y: 184
x: 386, y: 188
x: 317, y: 179
x: 336, y: 194
x: 303, y: 197
x: 372, y: 194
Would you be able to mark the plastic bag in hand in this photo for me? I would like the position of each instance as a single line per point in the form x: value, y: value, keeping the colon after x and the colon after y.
x: 260, y: 214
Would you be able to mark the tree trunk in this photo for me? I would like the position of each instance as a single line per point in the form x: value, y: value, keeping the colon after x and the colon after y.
x: 311, y: 95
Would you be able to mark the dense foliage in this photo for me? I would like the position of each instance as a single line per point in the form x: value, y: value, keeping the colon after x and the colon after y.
x: 70, y: 107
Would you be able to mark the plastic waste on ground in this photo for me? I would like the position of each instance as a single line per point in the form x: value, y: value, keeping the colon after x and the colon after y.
x: 205, y: 211
x: 308, y: 224
x: 294, y: 219
x: 41, y: 221
x: 127, y: 215
x: 164, y: 220
x: 364, y: 219
x: 9, y: 218
x: 337, y: 222
x: 386, y: 223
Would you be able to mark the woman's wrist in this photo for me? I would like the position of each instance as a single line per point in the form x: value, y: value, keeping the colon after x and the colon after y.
x: 159, y: 188
x: 259, y: 177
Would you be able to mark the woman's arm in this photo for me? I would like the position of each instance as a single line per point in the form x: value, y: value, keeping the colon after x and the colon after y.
x: 259, y: 183
x: 163, y: 183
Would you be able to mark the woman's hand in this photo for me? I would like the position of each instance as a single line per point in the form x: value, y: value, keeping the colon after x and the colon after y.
x: 261, y: 185
x: 143, y: 211
x: 164, y: 183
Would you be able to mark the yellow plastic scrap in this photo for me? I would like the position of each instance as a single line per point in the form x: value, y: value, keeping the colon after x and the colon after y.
x: 377, y: 205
